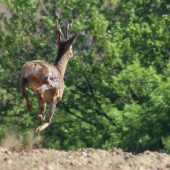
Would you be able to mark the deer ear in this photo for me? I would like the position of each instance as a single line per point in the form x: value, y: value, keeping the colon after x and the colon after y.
x: 72, y: 39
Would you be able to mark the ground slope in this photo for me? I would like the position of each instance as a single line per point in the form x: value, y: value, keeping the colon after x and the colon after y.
x: 49, y: 159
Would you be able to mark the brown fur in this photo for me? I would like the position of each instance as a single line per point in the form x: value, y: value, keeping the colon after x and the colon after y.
x: 47, y: 80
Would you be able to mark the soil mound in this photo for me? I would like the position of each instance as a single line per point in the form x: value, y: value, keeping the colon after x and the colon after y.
x: 84, y: 159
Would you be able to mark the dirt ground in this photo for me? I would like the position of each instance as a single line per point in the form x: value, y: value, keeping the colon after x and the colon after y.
x: 91, y: 159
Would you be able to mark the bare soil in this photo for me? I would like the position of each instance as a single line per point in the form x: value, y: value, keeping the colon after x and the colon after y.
x: 89, y: 158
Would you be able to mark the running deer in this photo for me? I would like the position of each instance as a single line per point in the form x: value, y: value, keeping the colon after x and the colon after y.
x: 47, y: 80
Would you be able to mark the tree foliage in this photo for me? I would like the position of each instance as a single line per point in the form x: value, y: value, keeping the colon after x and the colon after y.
x: 117, y: 86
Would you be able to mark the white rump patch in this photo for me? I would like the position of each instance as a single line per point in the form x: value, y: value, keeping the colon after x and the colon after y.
x: 35, y: 68
x: 27, y: 74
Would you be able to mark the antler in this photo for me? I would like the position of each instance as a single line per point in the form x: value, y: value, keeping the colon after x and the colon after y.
x: 59, y: 29
x: 67, y: 28
x: 59, y: 34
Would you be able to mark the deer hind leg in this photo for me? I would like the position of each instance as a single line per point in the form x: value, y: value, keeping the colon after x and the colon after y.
x: 41, y: 102
x: 51, y: 112
x: 42, y: 108
x: 23, y: 91
x: 41, y: 115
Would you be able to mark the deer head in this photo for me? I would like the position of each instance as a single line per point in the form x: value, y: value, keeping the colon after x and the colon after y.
x: 64, y: 45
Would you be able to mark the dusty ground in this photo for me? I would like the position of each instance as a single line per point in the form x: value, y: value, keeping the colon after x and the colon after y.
x: 49, y: 159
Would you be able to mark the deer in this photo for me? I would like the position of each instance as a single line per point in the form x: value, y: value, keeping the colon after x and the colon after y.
x: 47, y: 80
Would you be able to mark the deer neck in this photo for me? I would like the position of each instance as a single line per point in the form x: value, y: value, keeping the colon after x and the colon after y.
x: 62, y: 64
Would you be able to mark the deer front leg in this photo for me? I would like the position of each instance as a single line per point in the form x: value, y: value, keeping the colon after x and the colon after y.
x: 51, y: 112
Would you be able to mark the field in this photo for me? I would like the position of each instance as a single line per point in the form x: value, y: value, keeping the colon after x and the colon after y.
x: 49, y: 159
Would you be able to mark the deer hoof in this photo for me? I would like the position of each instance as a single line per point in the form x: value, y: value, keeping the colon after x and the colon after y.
x: 39, y: 129
x: 42, y: 127
x: 41, y: 117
